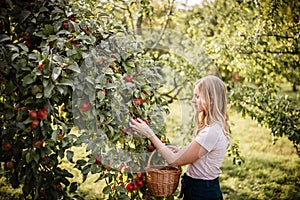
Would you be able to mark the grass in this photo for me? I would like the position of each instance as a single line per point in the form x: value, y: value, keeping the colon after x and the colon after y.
x: 269, y: 172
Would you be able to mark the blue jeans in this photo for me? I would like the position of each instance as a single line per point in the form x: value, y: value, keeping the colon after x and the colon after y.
x: 198, y: 189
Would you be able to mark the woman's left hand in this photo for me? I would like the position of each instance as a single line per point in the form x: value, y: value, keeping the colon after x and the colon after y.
x: 141, y: 127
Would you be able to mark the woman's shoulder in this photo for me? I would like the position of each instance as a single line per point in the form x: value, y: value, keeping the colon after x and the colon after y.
x: 215, y: 127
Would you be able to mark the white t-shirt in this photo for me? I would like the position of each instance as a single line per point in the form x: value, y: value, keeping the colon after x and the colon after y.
x: 208, y: 166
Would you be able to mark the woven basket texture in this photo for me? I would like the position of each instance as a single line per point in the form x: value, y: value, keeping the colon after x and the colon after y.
x: 162, y: 181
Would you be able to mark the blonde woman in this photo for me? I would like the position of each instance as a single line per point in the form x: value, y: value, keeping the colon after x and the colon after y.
x: 205, y: 154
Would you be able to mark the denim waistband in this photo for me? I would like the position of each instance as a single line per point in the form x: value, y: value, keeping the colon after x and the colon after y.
x: 199, y: 180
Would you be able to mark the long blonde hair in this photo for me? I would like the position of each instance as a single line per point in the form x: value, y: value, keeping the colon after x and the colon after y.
x: 212, y: 94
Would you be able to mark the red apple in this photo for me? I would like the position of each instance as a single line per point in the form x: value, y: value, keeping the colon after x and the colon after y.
x: 128, y: 78
x: 59, y: 186
x: 85, y: 107
x: 237, y: 77
x: 150, y: 147
x: 139, y: 175
x: 139, y: 101
x: 60, y: 136
x: 42, y: 113
x: 140, y: 183
x: 46, y: 159
x: 39, y: 144
x: 129, y: 186
x: 65, y: 25
x: 135, y: 186
x: 100, y: 60
x: 40, y: 66
x: 35, y: 123
x: 72, y: 18
x: 28, y: 44
x: 9, y: 165
x: 6, y: 146
x: 43, y: 192
x: 33, y: 114
x: 98, y: 160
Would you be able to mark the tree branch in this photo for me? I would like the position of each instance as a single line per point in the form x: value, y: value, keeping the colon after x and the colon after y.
x: 176, y: 88
x: 171, y: 4
x: 130, y: 15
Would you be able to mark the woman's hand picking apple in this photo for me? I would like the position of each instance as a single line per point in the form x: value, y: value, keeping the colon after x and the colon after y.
x: 141, y: 127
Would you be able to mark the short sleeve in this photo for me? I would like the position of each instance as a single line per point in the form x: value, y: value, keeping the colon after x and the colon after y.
x: 208, y: 138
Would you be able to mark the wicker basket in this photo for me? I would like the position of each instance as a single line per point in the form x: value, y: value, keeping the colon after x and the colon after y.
x: 162, y: 181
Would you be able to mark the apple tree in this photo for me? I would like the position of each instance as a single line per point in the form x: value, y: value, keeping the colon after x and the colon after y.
x: 62, y: 66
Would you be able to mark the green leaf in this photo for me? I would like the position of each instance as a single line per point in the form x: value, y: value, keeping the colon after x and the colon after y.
x: 14, y: 56
x: 66, y: 82
x: 107, y: 70
x: 48, y: 30
x: 56, y: 73
x: 48, y: 90
x: 28, y: 157
x: 28, y: 79
x: 39, y: 95
x: 58, y: 58
x: 106, y: 189
x: 130, y: 64
x: 86, y: 169
x: 124, y: 197
x: 120, y: 189
x: 24, y: 15
x: 54, y: 136
x: 81, y: 162
x: 70, y: 155
x: 43, y: 9
x: 74, y: 68
x: 23, y: 47
x: 12, y: 47
x: 73, y: 187
x: 36, y: 157
x: 4, y: 37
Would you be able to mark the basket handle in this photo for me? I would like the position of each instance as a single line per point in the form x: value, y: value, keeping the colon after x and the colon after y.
x: 153, y: 152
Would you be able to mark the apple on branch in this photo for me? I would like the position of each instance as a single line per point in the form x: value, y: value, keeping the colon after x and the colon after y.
x: 33, y: 115
x: 9, y: 165
x: 42, y: 113
x: 139, y: 101
x: 85, y: 107
x: 6, y: 146
x: 128, y: 78
x: 35, y: 123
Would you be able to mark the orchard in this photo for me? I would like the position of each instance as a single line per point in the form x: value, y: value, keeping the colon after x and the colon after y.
x: 72, y: 74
